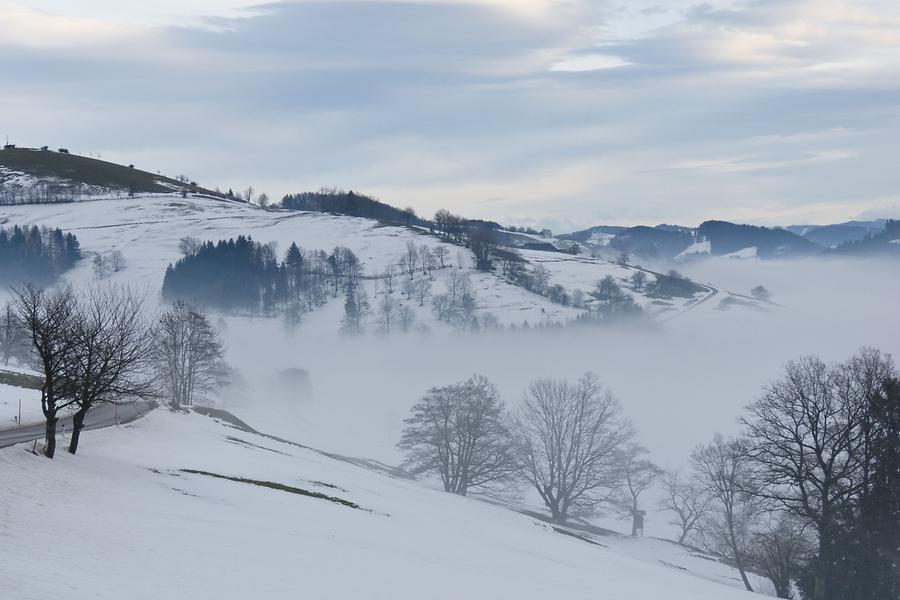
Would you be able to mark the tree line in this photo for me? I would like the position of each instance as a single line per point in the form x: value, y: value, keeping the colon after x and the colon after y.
x: 97, y: 347
x: 807, y: 496
x: 37, y: 254
x: 242, y: 274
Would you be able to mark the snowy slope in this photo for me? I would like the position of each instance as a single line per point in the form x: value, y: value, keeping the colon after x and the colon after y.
x: 147, y: 231
x: 123, y: 519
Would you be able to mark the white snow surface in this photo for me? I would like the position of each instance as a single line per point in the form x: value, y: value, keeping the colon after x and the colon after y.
x: 9, y: 406
x: 744, y: 253
x: 147, y: 231
x: 122, y: 520
x: 695, y: 249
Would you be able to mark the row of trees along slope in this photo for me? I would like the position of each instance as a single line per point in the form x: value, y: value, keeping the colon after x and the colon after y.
x: 97, y: 347
x: 808, y: 496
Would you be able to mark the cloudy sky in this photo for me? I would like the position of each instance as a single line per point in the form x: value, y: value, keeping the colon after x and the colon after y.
x: 563, y: 113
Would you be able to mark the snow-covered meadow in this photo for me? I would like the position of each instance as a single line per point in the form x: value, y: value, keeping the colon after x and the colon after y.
x: 124, y: 518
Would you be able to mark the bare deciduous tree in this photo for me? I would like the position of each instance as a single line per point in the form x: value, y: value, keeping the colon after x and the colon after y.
x: 722, y: 467
x: 387, y: 311
x: 779, y: 550
x: 541, y: 278
x: 459, y: 431
x: 639, y: 473
x: 112, y: 352
x: 809, y: 442
x: 570, y: 435
x: 116, y: 261
x: 687, y: 502
x: 47, y: 318
x: 423, y: 289
x: 440, y: 253
x: 188, y: 354
x: 411, y: 258
x: 406, y: 317
x: 11, y: 334
x: 189, y: 246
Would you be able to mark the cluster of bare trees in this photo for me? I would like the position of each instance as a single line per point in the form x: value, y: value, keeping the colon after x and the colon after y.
x: 98, y: 347
x: 45, y: 192
x: 809, y: 495
x: 187, y: 355
x: 91, y: 349
x: 568, y: 441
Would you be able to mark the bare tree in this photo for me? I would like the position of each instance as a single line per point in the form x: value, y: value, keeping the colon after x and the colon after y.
x: 809, y: 443
x: 388, y: 278
x: 406, y: 317
x: 570, y: 435
x: 356, y: 307
x: 387, y: 311
x: 426, y: 260
x: 483, y: 245
x: 112, y: 351
x: 101, y: 266
x: 440, y: 253
x: 441, y: 306
x: 459, y: 431
x: 687, y: 502
x: 11, y: 335
x: 722, y: 467
x: 116, y: 261
x: 541, y: 279
x: 188, y: 354
x: 189, y: 246
x: 780, y: 550
x: 411, y: 258
x: 638, y: 280
x: 409, y: 287
x: 423, y: 289
x: 47, y: 318
x: 639, y: 474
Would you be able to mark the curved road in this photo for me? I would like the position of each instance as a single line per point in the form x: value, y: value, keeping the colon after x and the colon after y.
x: 103, y: 415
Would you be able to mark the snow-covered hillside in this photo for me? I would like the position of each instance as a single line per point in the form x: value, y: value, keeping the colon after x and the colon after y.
x: 147, y: 231
x: 156, y: 509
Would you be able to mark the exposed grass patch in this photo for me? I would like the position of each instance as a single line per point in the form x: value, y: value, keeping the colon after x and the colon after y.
x: 22, y: 380
x: 277, y: 486
x: 583, y: 538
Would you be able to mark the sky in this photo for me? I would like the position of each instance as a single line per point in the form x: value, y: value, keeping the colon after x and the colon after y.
x: 557, y: 113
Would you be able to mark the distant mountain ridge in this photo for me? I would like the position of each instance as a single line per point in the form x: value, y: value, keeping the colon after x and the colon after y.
x: 35, y: 176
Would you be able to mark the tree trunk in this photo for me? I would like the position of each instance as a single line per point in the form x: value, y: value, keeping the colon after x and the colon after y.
x: 77, y: 426
x: 50, y: 436
x: 740, y: 566
x: 737, y: 554
x: 634, y: 517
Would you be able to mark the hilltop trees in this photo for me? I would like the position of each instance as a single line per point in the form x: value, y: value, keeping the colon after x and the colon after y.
x: 571, y: 434
x: 188, y: 354
x: 460, y: 432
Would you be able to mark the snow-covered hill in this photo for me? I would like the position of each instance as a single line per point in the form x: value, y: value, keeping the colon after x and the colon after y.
x: 187, y: 506
x: 147, y: 231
